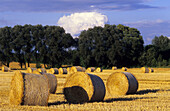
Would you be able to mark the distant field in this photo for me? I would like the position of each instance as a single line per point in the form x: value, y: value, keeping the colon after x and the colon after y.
x: 153, y: 94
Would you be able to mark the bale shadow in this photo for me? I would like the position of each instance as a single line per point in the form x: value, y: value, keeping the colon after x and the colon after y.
x: 142, y: 92
x: 126, y: 99
x: 57, y: 103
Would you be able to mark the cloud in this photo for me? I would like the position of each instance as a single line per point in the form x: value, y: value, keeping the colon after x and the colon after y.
x: 71, y: 5
x: 77, y: 22
x: 150, y: 29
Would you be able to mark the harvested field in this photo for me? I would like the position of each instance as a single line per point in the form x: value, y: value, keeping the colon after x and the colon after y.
x: 153, y: 94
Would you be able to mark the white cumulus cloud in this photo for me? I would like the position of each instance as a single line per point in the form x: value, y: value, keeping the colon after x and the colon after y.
x: 77, y: 22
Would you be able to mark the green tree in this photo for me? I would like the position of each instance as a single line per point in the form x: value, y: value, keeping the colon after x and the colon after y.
x: 6, y: 54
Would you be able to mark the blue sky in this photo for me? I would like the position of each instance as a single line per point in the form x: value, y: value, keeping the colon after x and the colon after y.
x: 150, y: 17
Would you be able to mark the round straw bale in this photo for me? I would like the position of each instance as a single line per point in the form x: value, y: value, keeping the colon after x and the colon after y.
x: 90, y: 69
x: 98, y: 70
x: 76, y: 69
x: 121, y: 83
x: 53, y: 71
x: 68, y: 70
x: 124, y: 68
x: 37, y: 72
x: 83, y: 69
x: 5, y: 69
x: 29, y: 89
x: 52, y: 80
x: 30, y: 70
x: 42, y: 70
x: 62, y: 71
x: 145, y: 70
x: 151, y: 70
x: 82, y: 87
x: 114, y: 68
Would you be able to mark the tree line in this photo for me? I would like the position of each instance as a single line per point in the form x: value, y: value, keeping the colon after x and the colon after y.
x: 111, y: 45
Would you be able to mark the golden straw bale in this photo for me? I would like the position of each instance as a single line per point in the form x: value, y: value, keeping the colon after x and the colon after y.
x: 121, y: 83
x: 37, y: 72
x: 81, y: 87
x: 29, y: 89
x: 5, y: 69
x: 145, y: 70
x: 42, y: 70
x: 98, y: 70
x: 30, y: 70
x: 151, y: 70
x: 90, y: 69
x: 68, y: 70
x: 53, y: 71
x: 76, y: 69
x: 114, y: 68
x: 52, y: 81
x: 62, y: 71
x: 124, y: 68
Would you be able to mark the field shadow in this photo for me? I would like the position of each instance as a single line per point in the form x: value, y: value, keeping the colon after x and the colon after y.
x: 142, y: 92
x: 126, y: 99
x: 57, y: 103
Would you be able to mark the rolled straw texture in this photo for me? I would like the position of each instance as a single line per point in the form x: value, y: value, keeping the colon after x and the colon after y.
x: 81, y: 87
x: 121, y: 83
x: 52, y: 80
x: 62, y: 71
x: 53, y: 71
x: 98, y: 70
x: 5, y: 69
x: 30, y: 70
x: 29, y: 89
x: 145, y: 70
x: 76, y: 69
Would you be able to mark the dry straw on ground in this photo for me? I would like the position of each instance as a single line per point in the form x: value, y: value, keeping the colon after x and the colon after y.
x: 52, y: 81
x: 124, y: 68
x: 30, y: 70
x: 62, y: 71
x: 145, y: 70
x: 29, y: 89
x: 82, y: 87
x: 53, y: 71
x: 121, y: 83
x: 42, y: 70
x: 5, y: 69
x: 90, y: 69
x: 114, y: 68
x: 98, y: 70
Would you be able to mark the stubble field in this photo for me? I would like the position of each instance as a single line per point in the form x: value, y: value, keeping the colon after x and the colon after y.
x: 153, y: 94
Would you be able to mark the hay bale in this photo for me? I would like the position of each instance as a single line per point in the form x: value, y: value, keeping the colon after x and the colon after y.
x: 145, y: 70
x: 76, y: 69
x: 62, y: 71
x: 121, y: 83
x: 68, y: 70
x: 42, y: 70
x: 52, y: 81
x: 29, y: 89
x: 53, y: 71
x: 30, y: 70
x: 98, y: 70
x: 37, y: 72
x: 151, y: 70
x: 90, y: 69
x: 5, y: 69
x: 124, y: 68
x: 114, y: 68
x: 81, y: 87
